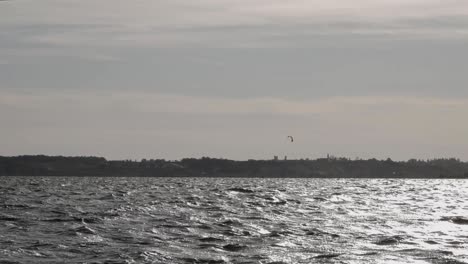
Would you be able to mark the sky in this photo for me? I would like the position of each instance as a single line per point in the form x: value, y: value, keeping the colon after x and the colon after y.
x: 233, y: 78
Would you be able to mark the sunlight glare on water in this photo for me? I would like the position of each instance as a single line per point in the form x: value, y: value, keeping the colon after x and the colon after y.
x: 203, y: 220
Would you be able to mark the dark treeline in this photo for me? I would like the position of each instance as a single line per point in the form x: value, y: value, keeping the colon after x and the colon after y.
x: 210, y: 167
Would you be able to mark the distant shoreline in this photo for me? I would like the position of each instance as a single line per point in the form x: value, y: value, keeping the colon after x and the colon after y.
x: 41, y: 165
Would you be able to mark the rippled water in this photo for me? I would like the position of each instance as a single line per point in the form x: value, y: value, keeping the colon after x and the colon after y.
x: 202, y: 220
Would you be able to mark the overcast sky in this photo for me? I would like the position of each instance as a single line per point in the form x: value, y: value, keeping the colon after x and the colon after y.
x: 233, y: 78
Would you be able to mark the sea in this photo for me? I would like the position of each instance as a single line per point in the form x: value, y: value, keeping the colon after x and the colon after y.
x: 232, y: 220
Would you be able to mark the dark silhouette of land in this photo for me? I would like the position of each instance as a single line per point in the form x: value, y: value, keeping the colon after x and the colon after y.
x: 209, y: 167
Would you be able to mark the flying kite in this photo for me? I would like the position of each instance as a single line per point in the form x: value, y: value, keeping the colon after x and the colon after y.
x: 291, y: 138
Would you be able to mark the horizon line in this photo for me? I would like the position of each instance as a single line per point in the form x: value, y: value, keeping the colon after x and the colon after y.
x: 275, y: 158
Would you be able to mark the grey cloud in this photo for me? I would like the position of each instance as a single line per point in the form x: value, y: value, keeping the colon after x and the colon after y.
x: 326, y: 66
x: 242, y: 50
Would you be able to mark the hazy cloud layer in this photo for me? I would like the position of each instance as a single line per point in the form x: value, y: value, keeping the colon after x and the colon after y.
x: 129, y: 125
x: 226, y: 23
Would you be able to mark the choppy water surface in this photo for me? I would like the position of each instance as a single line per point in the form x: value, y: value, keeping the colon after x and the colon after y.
x: 200, y: 220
